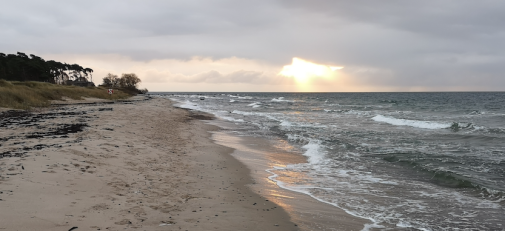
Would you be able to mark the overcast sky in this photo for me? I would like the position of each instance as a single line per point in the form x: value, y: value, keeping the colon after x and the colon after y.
x: 226, y: 45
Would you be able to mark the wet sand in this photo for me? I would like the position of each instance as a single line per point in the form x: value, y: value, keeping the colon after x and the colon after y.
x: 260, y: 154
x: 134, y: 165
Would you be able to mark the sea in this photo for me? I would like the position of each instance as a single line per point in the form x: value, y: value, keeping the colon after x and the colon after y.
x: 419, y: 161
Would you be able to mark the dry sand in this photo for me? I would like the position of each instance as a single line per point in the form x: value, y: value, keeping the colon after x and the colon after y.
x: 139, y: 165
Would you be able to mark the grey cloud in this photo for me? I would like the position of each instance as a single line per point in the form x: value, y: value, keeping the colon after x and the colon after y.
x: 429, y: 43
x: 437, y: 18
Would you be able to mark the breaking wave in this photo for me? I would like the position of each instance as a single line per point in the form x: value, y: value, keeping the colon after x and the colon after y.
x: 411, y: 123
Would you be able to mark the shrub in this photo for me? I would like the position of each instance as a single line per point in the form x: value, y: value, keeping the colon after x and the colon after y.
x: 111, y: 80
x: 143, y: 91
x: 129, y: 80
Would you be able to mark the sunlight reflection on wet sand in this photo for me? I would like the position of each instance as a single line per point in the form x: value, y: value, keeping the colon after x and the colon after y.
x: 260, y: 154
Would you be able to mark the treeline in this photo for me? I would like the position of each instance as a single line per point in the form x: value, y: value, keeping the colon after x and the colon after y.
x: 21, y: 67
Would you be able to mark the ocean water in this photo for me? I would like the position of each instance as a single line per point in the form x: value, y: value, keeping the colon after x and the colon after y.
x: 426, y: 161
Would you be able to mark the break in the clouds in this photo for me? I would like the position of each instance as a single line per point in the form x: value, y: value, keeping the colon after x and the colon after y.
x: 384, y: 45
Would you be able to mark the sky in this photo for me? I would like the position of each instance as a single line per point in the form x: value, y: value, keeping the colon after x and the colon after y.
x: 270, y: 45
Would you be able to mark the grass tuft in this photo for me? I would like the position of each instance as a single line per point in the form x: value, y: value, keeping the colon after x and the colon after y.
x: 26, y: 95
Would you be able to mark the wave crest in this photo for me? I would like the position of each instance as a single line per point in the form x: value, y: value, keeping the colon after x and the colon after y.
x: 411, y: 123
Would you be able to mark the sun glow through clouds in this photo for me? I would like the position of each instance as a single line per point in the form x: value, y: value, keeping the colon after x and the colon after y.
x: 302, y: 71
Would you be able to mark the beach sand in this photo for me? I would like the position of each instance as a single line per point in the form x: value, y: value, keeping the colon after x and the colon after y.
x: 130, y: 165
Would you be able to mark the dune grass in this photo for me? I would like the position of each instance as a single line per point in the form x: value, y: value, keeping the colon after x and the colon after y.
x: 26, y: 95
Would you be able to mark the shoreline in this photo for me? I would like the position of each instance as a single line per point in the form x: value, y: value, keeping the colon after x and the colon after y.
x: 261, y: 156
x: 135, y: 165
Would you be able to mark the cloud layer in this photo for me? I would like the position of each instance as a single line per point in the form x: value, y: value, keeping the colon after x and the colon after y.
x: 392, y: 45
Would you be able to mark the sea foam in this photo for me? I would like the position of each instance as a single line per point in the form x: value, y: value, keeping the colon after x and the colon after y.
x: 411, y: 123
x: 281, y: 99
x: 255, y: 104
x: 313, y: 152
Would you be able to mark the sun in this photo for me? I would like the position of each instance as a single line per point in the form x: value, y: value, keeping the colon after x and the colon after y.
x: 302, y: 71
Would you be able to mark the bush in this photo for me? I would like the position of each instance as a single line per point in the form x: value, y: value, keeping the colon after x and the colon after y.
x: 127, y: 83
x: 129, y: 80
x: 143, y: 91
x: 111, y: 80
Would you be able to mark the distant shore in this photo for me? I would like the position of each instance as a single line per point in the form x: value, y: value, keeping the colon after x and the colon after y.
x: 140, y: 164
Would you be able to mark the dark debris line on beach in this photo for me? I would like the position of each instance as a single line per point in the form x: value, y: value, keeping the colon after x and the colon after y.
x: 26, y: 119
x: 62, y: 130
x: 15, y: 118
x: 21, y: 118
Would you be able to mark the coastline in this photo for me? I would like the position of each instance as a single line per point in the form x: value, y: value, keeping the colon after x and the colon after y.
x: 261, y: 156
x: 131, y: 165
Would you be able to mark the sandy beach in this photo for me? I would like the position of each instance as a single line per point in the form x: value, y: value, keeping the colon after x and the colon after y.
x: 141, y: 164
x: 132, y: 165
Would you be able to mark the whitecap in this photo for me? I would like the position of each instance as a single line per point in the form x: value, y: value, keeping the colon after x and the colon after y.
x: 255, y: 105
x: 286, y: 124
x: 246, y: 97
x: 411, y: 123
x: 281, y: 99
x: 313, y: 152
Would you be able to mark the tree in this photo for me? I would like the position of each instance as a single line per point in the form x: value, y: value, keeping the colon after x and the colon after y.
x: 22, y: 67
x: 76, y: 71
x: 111, y: 80
x: 90, y: 71
x: 129, y: 80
